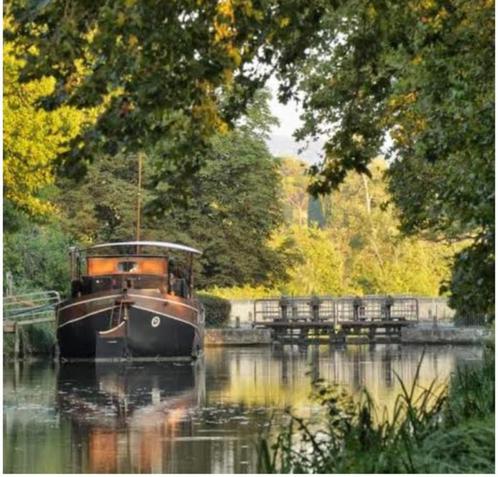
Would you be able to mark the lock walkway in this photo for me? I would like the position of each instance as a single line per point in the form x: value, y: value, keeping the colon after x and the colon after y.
x: 333, y: 319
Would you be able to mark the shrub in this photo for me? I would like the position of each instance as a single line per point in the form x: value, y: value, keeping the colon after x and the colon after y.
x: 37, y: 257
x: 244, y: 292
x: 217, y: 310
x: 40, y: 338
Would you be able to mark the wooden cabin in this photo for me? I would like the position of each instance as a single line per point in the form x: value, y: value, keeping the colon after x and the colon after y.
x: 122, y: 265
x: 132, y: 270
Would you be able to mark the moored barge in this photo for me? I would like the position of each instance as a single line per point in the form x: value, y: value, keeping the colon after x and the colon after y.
x: 130, y: 304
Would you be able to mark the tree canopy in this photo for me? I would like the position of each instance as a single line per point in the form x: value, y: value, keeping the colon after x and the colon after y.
x: 33, y: 137
x: 420, y: 73
x: 415, y: 77
x: 232, y: 206
x: 170, y: 74
x: 358, y: 248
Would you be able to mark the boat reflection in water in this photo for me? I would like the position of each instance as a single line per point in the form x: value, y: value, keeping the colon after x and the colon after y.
x: 123, y: 414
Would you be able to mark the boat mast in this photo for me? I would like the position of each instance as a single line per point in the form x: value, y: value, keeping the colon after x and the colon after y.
x: 139, y: 192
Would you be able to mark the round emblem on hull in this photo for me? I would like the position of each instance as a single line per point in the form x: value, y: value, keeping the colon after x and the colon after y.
x: 155, y: 322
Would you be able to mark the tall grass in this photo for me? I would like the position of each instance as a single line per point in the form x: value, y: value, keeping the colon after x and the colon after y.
x: 36, y: 339
x: 439, y: 429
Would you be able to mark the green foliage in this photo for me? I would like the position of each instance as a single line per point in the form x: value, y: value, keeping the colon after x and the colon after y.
x: 169, y: 74
x: 426, y: 433
x: 422, y: 73
x: 217, y: 310
x: 36, y: 255
x: 40, y: 338
x: 379, y: 259
x: 102, y: 206
x: 33, y: 137
x: 233, y: 210
x: 465, y: 449
x: 230, y: 209
x: 359, y: 249
x: 244, y: 292
x: 471, y: 392
x: 35, y: 339
x: 472, y: 275
x: 317, y: 266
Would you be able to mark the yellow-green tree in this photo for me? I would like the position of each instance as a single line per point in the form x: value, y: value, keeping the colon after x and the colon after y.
x: 360, y: 250
x: 379, y: 259
x: 294, y: 184
x: 318, y: 267
x: 33, y: 137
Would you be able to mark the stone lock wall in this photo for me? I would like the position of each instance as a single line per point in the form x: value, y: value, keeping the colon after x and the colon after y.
x: 236, y: 337
x: 444, y: 335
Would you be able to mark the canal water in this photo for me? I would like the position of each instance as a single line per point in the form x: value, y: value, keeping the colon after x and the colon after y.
x: 197, y: 418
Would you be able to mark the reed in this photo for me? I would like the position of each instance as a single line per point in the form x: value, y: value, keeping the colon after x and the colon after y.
x: 441, y: 428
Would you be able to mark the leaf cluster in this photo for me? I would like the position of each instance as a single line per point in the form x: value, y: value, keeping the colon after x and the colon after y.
x: 176, y: 71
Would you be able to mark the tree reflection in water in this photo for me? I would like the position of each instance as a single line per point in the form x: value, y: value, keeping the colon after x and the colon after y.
x: 180, y: 417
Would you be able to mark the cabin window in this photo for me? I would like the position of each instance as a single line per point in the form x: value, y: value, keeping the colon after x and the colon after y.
x: 128, y: 266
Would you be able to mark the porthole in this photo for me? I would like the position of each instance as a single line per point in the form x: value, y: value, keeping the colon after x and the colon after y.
x: 155, y: 322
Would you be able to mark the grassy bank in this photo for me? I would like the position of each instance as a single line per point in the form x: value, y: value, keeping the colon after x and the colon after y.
x: 448, y: 429
x: 37, y: 339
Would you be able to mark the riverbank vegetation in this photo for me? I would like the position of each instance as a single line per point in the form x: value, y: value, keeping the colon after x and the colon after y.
x: 175, y: 83
x: 352, y: 245
x: 37, y: 340
x: 447, y: 429
x: 261, y: 234
x: 348, y: 242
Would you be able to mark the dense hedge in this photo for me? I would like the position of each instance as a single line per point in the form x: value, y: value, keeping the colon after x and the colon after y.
x: 217, y: 310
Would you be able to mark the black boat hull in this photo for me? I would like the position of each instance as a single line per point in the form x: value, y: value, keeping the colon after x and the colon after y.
x: 144, y: 334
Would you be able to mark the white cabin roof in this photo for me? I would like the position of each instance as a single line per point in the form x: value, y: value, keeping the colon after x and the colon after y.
x: 168, y: 245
